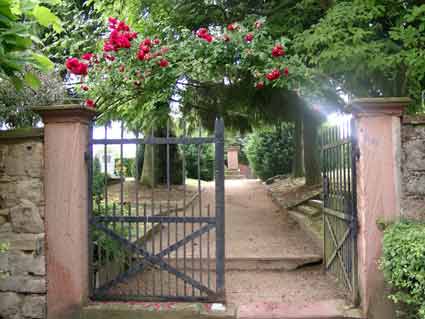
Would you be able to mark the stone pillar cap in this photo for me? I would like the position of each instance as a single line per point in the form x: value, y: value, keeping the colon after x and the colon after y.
x: 65, y: 113
x: 233, y: 148
x: 379, y: 105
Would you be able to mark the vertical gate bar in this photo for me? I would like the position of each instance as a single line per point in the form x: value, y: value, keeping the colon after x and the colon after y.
x: 177, y: 255
x: 89, y: 163
x: 193, y: 249
x: 136, y: 184
x: 354, y: 149
x: 184, y: 205
x: 323, y: 167
x: 208, y: 249
x: 219, y: 207
x: 200, y: 204
x: 153, y: 210
x: 160, y: 247
x: 130, y: 229
x: 168, y: 199
x: 145, y: 286
x: 122, y: 229
x: 106, y: 167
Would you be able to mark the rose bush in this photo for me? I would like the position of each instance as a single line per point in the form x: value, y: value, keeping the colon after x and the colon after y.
x: 152, y: 70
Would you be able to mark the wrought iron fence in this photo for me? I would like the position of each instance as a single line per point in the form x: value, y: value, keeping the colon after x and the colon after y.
x: 160, y: 238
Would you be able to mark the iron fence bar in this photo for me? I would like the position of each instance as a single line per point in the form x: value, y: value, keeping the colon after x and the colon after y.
x: 184, y: 204
x: 148, y: 298
x: 154, y: 259
x: 155, y: 219
x: 354, y: 226
x: 200, y: 202
x: 219, y: 207
x: 193, y: 250
x: 153, y: 205
x: 157, y: 141
x: 105, y: 160
x: 168, y: 195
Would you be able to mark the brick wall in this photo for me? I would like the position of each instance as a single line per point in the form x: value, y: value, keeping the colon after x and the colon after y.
x: 22, y: 266
x: 413, y: 167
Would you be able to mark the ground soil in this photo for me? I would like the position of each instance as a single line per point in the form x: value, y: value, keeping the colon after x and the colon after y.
x: 255, y: 228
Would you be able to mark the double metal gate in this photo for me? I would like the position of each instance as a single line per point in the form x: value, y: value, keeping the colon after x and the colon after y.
x: 339, y: 153
x: 164, y: 241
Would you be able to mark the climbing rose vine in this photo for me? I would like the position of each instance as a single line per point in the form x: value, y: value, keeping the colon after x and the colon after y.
x: 150, y: 68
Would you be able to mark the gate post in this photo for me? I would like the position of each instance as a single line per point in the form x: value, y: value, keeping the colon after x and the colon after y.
x: 66, y: 137
x: 378, y: 124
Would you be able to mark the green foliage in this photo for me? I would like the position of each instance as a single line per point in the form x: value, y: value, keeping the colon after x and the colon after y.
x: 403, y: 263
x: 4, y: 247
x: 270, y: 151
x: 128, y: 168
x: 18, y: 39
x: 15, y: 105
x: 206, y: 152
x: 369, y: 48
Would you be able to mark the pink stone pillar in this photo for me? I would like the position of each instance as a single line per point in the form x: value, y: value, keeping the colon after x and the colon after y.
x: 66, y: 198
x: 378, y: 122
x: 232, y: 157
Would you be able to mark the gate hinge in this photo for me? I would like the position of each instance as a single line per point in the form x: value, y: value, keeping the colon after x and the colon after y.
x: 86, y: 156
x: 357, y: 153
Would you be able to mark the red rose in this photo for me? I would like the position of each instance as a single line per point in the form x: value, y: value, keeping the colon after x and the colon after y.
x: 274, y: 75
x: 156, y: 41
x: 145, y: 48
x: 112, y: 20
x: 140, y: 55
x: 132, y: 35
x: 109, y: 57
x: 202, y: 32
x: 278, y: 51
x: 249, y: 37
x: 231, y: 27
x: 107, y: 47
x: 163, y: 63
x: 72, y: 63
x: 260, y: 85
x: 147, y: 42
x: 82, y: 69
x: 122, y: 26
x: 90, y: 103
x: 286, y: 71
x: 84, y: 87
x: 87, y: 56
x: 148, y: 56
x: 208, y: 37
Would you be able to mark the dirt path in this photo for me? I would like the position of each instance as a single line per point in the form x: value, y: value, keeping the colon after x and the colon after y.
x: 256, y: 227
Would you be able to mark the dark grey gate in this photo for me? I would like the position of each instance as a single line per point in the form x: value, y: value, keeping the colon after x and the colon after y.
x: 162, y: 242
x: 339, y: 154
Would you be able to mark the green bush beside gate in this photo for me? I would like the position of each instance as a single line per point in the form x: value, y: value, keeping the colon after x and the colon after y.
x: 403, y: 264
x: 270, y: 151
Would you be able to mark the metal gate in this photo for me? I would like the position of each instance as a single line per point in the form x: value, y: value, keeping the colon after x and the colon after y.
x: 339, y: 154
x: 164, y: 241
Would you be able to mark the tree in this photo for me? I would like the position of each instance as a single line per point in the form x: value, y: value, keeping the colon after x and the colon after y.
x: 18, y: 40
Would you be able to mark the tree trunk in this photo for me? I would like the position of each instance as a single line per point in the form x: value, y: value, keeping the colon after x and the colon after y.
x: 148, y: 168
x: 298, y: 163
x: 311, y: 150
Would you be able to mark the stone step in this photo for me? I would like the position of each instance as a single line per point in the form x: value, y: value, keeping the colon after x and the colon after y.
x: 313, y: 227
x: 284, y: 263
x: 308, y: 210
x: 325, y: 309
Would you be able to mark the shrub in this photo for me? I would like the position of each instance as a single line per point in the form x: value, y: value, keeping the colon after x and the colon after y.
x: 129, y: 169
x: 206, y: 159
x: 403, y: 264
x: 270, y: 151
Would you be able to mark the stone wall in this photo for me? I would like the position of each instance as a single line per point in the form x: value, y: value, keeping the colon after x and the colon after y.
x: 22, y: 266
x: 413, y: 167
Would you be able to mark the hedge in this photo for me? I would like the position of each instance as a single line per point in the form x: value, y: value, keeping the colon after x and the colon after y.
x: 403, y: 264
